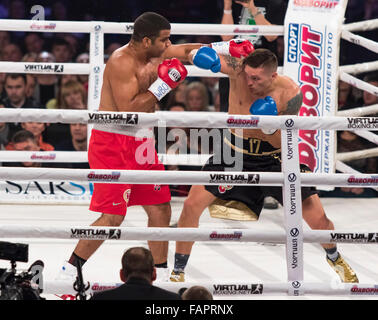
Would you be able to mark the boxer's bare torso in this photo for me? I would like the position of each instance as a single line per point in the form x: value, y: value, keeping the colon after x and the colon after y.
x: 283, y: 90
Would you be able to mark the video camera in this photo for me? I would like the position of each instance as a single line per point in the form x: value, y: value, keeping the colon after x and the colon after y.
x: 21, y: 286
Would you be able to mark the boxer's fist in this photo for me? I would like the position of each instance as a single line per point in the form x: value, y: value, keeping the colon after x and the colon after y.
x: 207, y: 58
x: 236, y: 48
x: 171, y: 73
x: 265, y: 107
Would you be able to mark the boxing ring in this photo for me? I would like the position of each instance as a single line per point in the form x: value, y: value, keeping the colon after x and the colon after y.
x: 269, y: 255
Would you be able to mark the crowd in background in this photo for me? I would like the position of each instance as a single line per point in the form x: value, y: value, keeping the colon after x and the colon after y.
x: 49, y: 91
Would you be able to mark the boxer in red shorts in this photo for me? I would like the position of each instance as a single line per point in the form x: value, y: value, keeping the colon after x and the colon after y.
x: 136, y: 76
x: 115, y: 198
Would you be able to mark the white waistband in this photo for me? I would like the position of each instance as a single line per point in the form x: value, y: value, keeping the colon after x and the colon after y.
x: 132, y: 131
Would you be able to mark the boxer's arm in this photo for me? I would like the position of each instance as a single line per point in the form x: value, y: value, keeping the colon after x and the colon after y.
x: 229, y: 65
x: 293, y: 104
x: 181, y: 51
x: 125, y: 89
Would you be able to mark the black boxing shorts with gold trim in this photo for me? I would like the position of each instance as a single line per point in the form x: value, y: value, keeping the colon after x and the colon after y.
x: 264, y: 158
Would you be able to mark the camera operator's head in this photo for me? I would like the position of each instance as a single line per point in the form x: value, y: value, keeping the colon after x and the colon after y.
x: 137, y: 262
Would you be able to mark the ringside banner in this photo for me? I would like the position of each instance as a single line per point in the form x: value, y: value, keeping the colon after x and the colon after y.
x: 64, y: 192
x: 312, y: 36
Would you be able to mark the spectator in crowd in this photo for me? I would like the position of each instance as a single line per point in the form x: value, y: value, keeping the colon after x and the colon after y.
x: 4, y: 40
x: 196, y: 97
x: 61, y: 50
x: 177, y: 94
x: 37, y: 128
x: 112, y: 47
x: 211, y: 84
x: 34, y: 43
x: 24, y: 140
x: 47, y: 86
x: 138, y: 272
x: 369, y: 98
x: 6, y: 132
x: 58, y: 11
x: 16, y: 92
x: 2, y: 86
x: 345, y: 96
x: 197, y: 293
x: 73, y: 45
x: 72, y: 95
x: 11, y: 52
x: 78, y: 142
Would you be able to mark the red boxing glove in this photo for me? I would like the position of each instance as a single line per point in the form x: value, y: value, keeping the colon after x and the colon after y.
x: 171, y: 73
x: 237, y: 48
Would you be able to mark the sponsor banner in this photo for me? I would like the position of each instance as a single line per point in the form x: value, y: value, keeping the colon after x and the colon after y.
x: 363, y: 123
x: 46, y: 191
x: 233, y: 122
x: 292, y: 201
x: 114, y: 176
x: 319, y: 5
x: 104, y: 118
x: 311, y: 59
x: 236, y: 289
x: 370, y: 237
x: 237, y: 235
x: 40, y: 67
x: 244, y: 178
x: 372, y: 181
x: 96, y: 234
x: 40, y: 26
x: 366, y: 291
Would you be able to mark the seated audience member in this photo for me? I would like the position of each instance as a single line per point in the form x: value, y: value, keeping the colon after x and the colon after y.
x: 16, y: 92
x: 11, y: 52
x: 34, y: 42
x: 72, y: 95
x: 369, y: 98
x: 138, y: 272
x: 197, y: 293
x: 196, y: 97
x: 61, y: 50
x: 78, y: 142
x: 37, y: 128
x: 24, y: 140
x: 6, y: 132
x: 47, y: 86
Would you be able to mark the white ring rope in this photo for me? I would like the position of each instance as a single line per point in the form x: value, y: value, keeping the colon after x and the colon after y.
x: 182, y: 234
x: 229, y: 288
x: 127, y: 28
x: 367, y: 135
x: 360, y: 154
x: 184, y: 177
x: 362, y: 25
x: 358, y: 112
x: 342, y: 167
x: 82, y: 156
x: 85, y: 68
x: 191, y: 119
x: 361, y: 41
x: 359, y: 67
x: 355, y: 82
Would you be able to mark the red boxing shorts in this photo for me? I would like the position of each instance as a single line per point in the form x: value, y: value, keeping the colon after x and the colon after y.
x: 109, y: 150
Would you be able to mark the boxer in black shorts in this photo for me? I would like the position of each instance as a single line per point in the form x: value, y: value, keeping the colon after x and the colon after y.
x: 257, y: 89
x: 266, y: 159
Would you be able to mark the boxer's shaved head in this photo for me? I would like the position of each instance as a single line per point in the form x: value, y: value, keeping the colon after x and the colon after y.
x: 149, y: 24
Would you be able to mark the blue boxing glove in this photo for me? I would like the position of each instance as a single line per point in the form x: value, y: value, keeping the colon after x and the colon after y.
x: 265, y: 107
x: 207, y: 58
